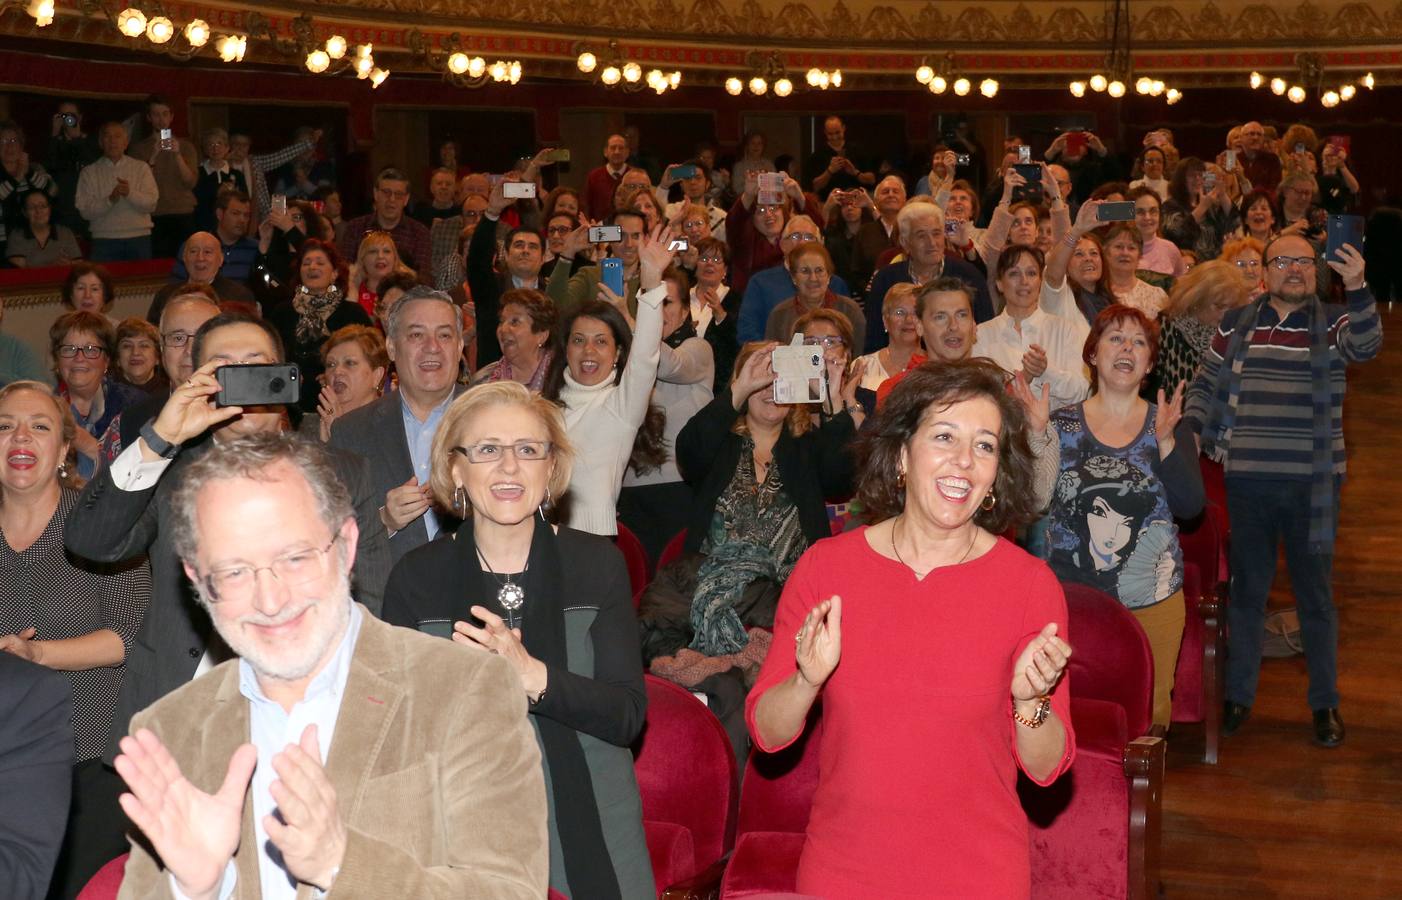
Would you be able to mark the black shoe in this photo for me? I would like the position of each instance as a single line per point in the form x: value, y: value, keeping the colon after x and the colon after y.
x: 1234, y: 715
x: 1328, y: 727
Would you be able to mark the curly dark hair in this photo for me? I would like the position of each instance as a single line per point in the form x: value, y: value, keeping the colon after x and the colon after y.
x: 934, y: 386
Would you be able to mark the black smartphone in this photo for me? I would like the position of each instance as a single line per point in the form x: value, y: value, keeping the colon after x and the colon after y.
x: 1032, y: 190
x: 605, y: 234
x: 1117, y: 211
x: 681, y: 173
x: 442, y: 628
x: 260, y: 384
x: 1343, y: 230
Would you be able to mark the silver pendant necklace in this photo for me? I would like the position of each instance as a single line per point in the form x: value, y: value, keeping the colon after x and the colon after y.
x: 510, y: 595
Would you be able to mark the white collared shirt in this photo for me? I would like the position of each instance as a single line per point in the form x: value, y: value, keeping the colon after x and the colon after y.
x: 701, y: 314
x: 1004, y: 341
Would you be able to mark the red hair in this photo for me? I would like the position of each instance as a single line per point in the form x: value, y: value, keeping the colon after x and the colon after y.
x: 1111, y: 316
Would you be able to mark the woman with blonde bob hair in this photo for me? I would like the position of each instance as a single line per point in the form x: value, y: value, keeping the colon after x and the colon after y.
x: 1195, y: 308
x: 553, y: 602
x: 375, y: 260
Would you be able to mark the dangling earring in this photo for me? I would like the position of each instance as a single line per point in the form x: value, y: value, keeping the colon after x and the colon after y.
x: 541, y: 509
x: 63, y: 470
x: 989, y: 501
x: 900, y: 480
x: 459, y: 500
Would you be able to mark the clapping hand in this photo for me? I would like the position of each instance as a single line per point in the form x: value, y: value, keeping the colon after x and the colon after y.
x: 1167, y: 415
x: 495, y: 637
x: 194, y: 833
x: 1350, y: 267
x: 1038, y: 409
x: 22, y: 645
x: 405, y: 503
x: 307, y: 828
x: 1034, y: 361
x: 1039, y: 666
x: 328, y: 408
x: 819, y: 642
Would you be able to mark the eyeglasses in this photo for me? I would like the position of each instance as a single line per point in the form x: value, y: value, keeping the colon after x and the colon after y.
x: 177, y: 338
x: 806, y: 272
x: 1250, y: 263
x: 91, y: 351
x: 471, y: 214
x: 393, y: 195
x: 900, y: 312
x: 236, y: 583
x: 800, y: 237
x: 711, y: 259
x: 693, y: 223
x: 556, y: 230
x: 768, y: 208
x: 524, y: 451
x: 830, y: 340
x: 1281, y: 263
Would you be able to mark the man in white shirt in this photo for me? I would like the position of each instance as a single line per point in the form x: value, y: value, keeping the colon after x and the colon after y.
x: 337, y: 753
x: 117, y: 195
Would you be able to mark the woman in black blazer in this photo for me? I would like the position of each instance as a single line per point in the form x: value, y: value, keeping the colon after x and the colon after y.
x: 762, y: 473
x: 556, y: 604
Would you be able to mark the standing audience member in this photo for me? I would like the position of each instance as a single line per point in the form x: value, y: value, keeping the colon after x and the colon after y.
x: 423, y: 332
x: 376, y: 261
x: 319, y: 307
x: 138, y: 357
x: 216, y: 177
x: 944, y: 471
x: 1338, y: 187
x: 36, y: 772
x: 832, y: 166
x: 524, y: 323
x: 1120, y: 281
x: 231, y: 214
x: 1258, y: 163
x: 524, y: 252
x: 1195, y: 308
x: 441, y: 203
x: 753, y: 231
x: 175, y: 164
x: 1198, y: 215
x: 1158, y: 255
x: 334, y: 685
x: 714, y: 307
x: 655, y: 502
x: 62, y: 612
x: 71, y: 148
x: 409, y: 235
x: 1128, y: 469
x: 558, y: 607
x: 752, y: 159
x: 1151, y: 168
x: 18, y: 177
x: 603, y: 373
x: 854, y: 238
x: 769, y: 287
x: 355, y: 364
x: 117, y: 194
x: 37, y: 242
x: 255, y: 167
x: 203, y: 259
x: 83, y: 346
x: 1268, y: 404
x: 602, y: 182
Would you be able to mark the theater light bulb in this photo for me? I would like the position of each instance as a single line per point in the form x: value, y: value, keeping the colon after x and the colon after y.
x: 513, y: 71
x: 924, y: 74
x: 988, y: 87
x: 962, y: 86
x: 1257, y: 79
x: 1143, y: 85
x: 1156, y: 88
x: 1330, y: 99
x: 378, y: 77
x: 336, y: 46
x: 476, y: 66
x: 42, y: 11
x: 457, y: 63
x: 1278, y: 86
x: 1078, y: 88
x: 733, y: 86
x: 1347, y: 92
x: 758, y: 86
x: 1173, y: 96
x: 498, y: 71
x: 197, y: 33
x: 836, y: 78
x: 318, y: 61
x: 632, y: 72
x: 1296, y: 94
x: 675, y: 80
x: 1368, y: 81
x: 587, y: 62
x: 131, y: 22
x: 1115, y: 89
x: 938, y: 85
x: 364, y: 65
x: 610, y: 75
x: 783, y: 87
x: 1098, y: 82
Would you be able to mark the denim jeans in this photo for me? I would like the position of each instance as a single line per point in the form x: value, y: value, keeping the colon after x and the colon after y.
x: 121, y: 249
x: 1265, y: 513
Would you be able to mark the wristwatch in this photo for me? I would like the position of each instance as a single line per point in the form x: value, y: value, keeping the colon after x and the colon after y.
x: 159, y: 445
x: 1040, y: 716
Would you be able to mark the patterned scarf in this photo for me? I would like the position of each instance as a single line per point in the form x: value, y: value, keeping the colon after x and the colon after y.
x: 1226, y: 393
x: 313, y: 310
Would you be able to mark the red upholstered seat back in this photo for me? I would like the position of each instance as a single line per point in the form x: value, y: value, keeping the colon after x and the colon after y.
x: 686, y: 773
x: 636, y: 559
x: 674, y: 549
x: 107, y: 882
x: 1110, y: 655
x: 777, y: 793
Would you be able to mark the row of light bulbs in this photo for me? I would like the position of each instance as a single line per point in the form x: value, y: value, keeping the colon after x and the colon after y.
x: 336, y: 47
x: 475, y: 67
x: 783, y: 86
x: 629, y: 73
x: 938, y: 84
x: 1114, y: 87
x: 1296, y: 93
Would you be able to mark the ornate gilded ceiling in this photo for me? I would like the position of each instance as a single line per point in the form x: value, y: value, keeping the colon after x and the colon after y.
x: 710, y: 37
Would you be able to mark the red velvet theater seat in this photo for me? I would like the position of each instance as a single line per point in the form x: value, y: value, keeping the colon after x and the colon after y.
x: 686, y: 773
x: 1095, y: 831
x: 105, y: 884
x: 1198, y: 680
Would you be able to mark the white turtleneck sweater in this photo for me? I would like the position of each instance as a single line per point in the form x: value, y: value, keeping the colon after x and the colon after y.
x: 602, y: 421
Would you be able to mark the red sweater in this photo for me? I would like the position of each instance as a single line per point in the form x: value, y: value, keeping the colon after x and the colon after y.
x: 917, y: 795
x: 599, y: 189
x: 750, y: 251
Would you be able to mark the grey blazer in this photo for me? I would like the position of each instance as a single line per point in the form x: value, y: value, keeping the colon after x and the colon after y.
x: 109, y: 524
x: 36, y: 773
x: 376, y: 432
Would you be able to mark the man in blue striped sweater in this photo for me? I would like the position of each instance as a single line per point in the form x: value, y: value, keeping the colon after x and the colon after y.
x: 1268, y: 404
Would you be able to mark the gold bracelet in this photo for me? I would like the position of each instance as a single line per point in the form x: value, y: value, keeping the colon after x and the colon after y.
x: 1038, y: 718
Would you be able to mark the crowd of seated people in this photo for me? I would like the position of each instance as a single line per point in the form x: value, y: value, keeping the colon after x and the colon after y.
x: 495, y: 400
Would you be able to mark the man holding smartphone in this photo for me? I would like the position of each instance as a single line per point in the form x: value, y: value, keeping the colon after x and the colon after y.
x: 832, y: 166
x: 175, y: 165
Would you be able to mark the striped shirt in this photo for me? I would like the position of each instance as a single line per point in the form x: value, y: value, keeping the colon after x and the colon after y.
x: 1274, y: 426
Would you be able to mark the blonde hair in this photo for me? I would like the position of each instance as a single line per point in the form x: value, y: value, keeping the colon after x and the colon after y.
x: 68, y: 428
x: 471, y: 404
x: 1203, y: 283
x: 901, y: 290
x: 371, y: 240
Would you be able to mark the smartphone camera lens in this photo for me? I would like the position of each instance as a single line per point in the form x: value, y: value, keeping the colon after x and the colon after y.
x: 277, y: 385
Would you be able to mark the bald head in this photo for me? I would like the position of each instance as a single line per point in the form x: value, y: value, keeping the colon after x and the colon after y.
x: 203, y: 256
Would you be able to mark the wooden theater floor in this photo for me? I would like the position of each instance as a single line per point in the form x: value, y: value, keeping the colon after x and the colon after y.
x: 1279, y: 817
